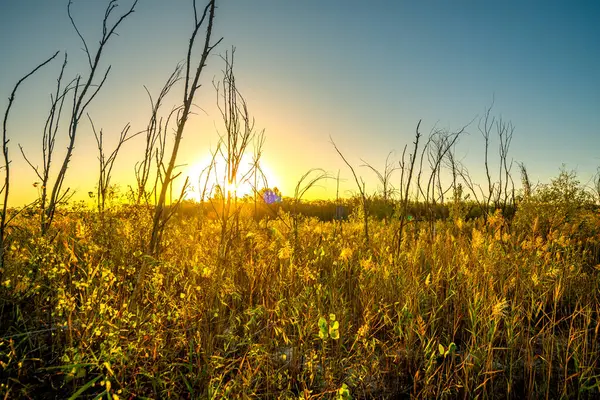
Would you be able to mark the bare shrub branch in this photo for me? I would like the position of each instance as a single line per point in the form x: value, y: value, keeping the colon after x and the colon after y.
x: 106, y: 163
x: 191, y: 86
x: 5, y: 189
x: 361, y: 189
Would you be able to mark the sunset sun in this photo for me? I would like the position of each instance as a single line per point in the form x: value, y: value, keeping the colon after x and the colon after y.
x: 209, y: 181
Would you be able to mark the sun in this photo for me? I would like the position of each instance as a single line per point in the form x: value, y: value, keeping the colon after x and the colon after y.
x: 203, y: 184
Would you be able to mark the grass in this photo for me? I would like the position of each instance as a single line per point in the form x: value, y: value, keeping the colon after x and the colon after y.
x: 478, y: 310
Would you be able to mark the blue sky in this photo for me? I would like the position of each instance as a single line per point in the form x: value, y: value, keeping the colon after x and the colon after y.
x: 363, y: 73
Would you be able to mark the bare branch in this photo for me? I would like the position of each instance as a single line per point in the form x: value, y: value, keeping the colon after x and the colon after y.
x: 362, y: 191
x: 81, y: 101
x: 189, y: 93
x: 86, y: 49
x: 6, y: 185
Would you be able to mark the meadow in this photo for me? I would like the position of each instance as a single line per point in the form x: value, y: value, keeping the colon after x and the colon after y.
x: 486, y: 307
x: 436, y: 287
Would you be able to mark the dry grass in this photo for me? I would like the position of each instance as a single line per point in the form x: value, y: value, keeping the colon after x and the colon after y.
x: 486, y: 311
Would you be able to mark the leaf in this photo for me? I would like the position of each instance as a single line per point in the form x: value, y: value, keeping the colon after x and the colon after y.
x: 334, y: 330
x: 343, y: 392
x: 322, y: 324
x: 108, y: 368
x: 84, y: 388
x: 81, y: 373
x: 450, y: 350
x: 332, y: 317
x: 323, y: 328
x: 441, y: 349
x: 335, y: 334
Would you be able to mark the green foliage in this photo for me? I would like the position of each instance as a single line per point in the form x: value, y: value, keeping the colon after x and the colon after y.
x: 329, y: 329
x: 343, y: 393
x: 563, y: 207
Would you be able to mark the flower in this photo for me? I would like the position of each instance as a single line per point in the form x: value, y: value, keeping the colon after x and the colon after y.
x: 346, y: 254
x: 285, y: 252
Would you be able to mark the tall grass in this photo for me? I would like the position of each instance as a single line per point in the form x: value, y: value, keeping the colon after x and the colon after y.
x: 486, y: 310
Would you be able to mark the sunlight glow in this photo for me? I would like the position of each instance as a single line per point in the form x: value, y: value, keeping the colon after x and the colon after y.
x: 208, y: 185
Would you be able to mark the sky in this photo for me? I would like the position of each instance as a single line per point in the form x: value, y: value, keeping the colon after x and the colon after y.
x: 360, y: 73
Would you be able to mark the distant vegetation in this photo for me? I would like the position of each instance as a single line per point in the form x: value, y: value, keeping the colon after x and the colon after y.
x: 503, y: 307
x: 435, y: 287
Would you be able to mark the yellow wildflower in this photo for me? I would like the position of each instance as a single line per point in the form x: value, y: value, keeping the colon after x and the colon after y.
x: 346, y: 254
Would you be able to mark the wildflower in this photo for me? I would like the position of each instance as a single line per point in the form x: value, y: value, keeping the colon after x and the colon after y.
x: 363, y: 331
x: 285, y: 252
x: 500, y: 308
x: 308, y: 276
x: 80, y: 230
x: 367, y: 264
x: 496, y: 220
x: 477, y: 238
x: 346, y: 254
x: 536, y: 225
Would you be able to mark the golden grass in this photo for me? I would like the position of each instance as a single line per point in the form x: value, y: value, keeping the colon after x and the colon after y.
x: 485, y: 311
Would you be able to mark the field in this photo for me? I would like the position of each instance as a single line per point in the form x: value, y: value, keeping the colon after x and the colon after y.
x: 203, y: 281
x: 289, y: 306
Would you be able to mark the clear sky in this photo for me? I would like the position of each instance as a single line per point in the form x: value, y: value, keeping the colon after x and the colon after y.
x: 361, y: 72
